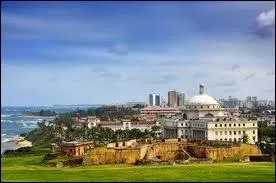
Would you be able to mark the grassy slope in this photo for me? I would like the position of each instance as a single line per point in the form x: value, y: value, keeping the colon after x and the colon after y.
x: 29, y: 169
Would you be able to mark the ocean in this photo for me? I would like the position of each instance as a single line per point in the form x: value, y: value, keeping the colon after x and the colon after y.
x: 13, y: 123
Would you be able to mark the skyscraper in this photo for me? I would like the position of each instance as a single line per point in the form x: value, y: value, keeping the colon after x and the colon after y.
x: 154, y: 100
x: 180, y: 99
x: 172, y: 98
x: 150, y: 99
x: 157, y: 100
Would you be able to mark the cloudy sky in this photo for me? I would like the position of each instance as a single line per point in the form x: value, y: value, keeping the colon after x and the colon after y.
x: 92, y: 52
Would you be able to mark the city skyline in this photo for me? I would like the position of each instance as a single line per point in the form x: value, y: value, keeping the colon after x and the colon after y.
x: 115, y: 52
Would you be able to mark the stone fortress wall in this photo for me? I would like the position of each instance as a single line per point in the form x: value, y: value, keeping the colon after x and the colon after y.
x: 167, y: 150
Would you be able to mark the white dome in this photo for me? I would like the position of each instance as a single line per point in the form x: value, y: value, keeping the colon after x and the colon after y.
x: 203, y: 99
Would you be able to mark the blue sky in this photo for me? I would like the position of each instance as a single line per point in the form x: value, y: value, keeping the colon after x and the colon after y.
x: 114, y: 52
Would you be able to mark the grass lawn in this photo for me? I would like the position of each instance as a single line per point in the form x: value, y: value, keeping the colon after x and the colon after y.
x: 28, y: 169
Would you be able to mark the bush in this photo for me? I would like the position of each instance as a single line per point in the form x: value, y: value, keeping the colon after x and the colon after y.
x: 25, y: 151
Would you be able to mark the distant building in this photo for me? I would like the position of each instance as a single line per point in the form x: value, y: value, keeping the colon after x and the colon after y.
x: 157, y: 100
x: 158, y: 110
x: 172, y: 98
x: 154, y: 100
x: 254, y: 99
x: 180, y: 99
x: 230, y: 102
x: 248, y: 99
x: 150, y: 99
x: 132, y: 104
x: 203, y: 118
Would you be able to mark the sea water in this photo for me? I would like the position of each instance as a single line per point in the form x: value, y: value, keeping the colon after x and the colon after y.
x: 13, y: 123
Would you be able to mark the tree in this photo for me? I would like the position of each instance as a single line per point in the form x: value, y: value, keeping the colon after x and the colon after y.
x: 245, y: 138
x: 155, y: 128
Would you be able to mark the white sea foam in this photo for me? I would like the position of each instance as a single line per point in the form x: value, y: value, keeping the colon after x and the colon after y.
x: 5, y: 121
x: 5, y: 140
x: 3, y: 134
x: 5, y: 115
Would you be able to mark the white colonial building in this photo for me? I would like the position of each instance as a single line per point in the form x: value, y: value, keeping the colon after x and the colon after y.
x: 202, y: 118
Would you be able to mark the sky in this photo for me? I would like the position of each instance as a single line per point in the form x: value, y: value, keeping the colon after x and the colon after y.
x: 117, y: 52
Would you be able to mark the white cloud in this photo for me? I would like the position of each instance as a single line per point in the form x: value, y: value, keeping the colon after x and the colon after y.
x: 266, y: 18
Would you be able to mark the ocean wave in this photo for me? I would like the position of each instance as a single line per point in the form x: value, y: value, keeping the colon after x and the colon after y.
x: 10, y: 139
x: 3, y: 140
x: 6, y: 121
x: 3, y: 134
x: 5, y: 115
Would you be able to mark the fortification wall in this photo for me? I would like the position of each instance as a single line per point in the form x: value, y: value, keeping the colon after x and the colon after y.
x: 240, y: 151
x: 166, y: 152
x: 103, y: 155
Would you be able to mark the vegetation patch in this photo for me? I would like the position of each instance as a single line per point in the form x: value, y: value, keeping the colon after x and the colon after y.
x: 30, y: 169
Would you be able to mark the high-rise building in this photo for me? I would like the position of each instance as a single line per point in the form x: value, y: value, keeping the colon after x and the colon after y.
x: 150, y: 99
x: 157, y: 100
x: 154, y: 100
x: 248, y: 99
x: 172, y: 98
x: 180, y: 99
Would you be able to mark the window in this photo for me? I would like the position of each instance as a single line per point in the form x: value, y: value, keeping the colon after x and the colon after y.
x: 208, y: 107
x: 230, y: 133
x: 239, y: 132
x: 224, y: 125
x: 234, y: 124
x: 239, y: 124
x: 234, y: 132
x: 229, y: 125
x: 253, y: 131
x: 235, y: 139
x: 243, y: 124
x: 216, y: 125
x: 201, y: 107
x: 225, y: 133
x: 220, y: 139
x: 181, y: 124
x: 231, y: 120
x: 220, y: 133
x: 243, y: 132
x: 230, y: 139
x: 186, y: 124
x: 254, y: 138
x: 216, y: 133
x: 225, y: 139
x: 220, y: 125
x: 253, y: 124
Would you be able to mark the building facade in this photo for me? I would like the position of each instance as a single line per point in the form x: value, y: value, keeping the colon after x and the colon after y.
x: 154, y: 100
x: 172, y: 98
x: 180, y: 99
x: 202, y: 118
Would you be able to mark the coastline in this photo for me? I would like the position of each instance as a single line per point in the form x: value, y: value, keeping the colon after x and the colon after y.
x: 15, y: 144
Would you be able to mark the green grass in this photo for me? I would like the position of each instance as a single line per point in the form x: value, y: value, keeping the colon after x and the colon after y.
x: 29, y: 169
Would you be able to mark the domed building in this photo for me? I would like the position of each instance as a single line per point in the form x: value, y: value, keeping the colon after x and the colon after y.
x: 202, y: 105
x: 202, y: 118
